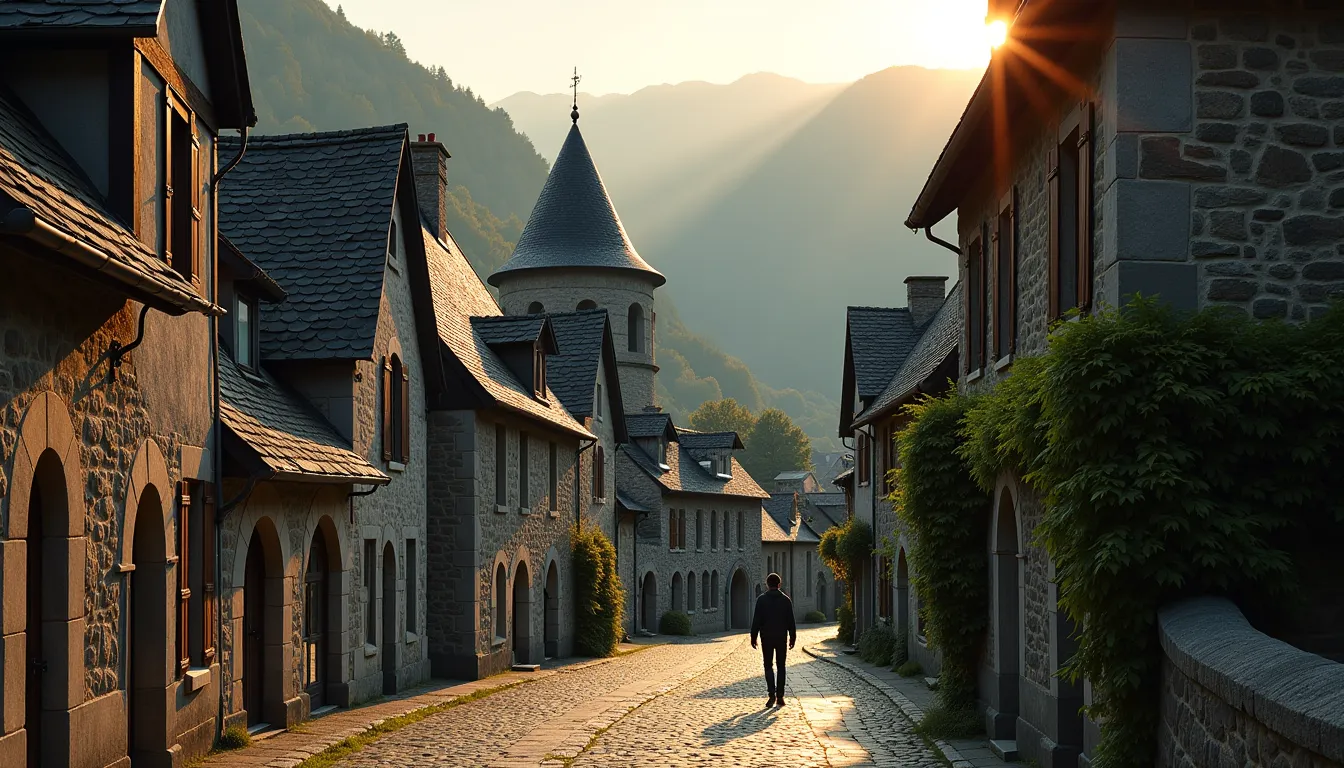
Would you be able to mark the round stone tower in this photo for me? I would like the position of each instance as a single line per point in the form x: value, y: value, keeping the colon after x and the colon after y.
x: 575, y: 254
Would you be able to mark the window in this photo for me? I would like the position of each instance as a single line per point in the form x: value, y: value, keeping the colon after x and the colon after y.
x: 884, y: 588
x: 672, y: 529
x: 183, y: 193
x: 587, y: 304
x: 634, y: 329
x: 370, y: 612
x: 681, y: 529
x: 807, y: 575
x: 524, y: 498
x: 861, y: 456
x: 714, y: 590
x: 727, y: 527
x: 1005, y: 279
x: 535, y: 308
x: 690, y: 591
x: 412, y: 579
x: 195, y: 568
x: 699, y: 529
x: 392, y: 243
x: 741, y: 523
x: 501, y: 465
x: 975, y: 305
x: 314, y: 613
x: 245, y: 332
x: 554, y: 475
x: 599, y: 474
x: 396, y: 410
x: 501, y: 603
x: 1070, y: 179
x: 539, y: 371
x: 888, y: 458
x: 662, y: 452
x: 704, y: 591
x: 713, y: 529
x: 597, y: 406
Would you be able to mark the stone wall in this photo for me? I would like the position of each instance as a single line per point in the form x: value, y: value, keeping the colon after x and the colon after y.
x: 454, y: 501
x: 1233, y: 696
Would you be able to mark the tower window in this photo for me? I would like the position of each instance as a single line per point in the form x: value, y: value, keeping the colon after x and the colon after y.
x: 535, y: 308
x: 635, y: 328
x: 587, y: 304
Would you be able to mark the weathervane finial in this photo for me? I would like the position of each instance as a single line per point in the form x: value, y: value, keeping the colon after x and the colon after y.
x: 574, y: 83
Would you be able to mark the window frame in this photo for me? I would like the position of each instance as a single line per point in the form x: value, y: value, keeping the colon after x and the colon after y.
x: 539, y: 371
x: 863, y: 459
x: 524, y: 475
x: 370, y: 592
x: 976, y: 325
x: 180, y: 212
x: 247, y: 340
x: 1005, y: 276
x: 1075, y: 139
x: 501, y: 465
x: 553, y: 475
x: 412, y: 582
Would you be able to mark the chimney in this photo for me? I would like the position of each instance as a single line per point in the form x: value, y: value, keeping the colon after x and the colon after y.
x: 430, y: 161
x: 924, y: 295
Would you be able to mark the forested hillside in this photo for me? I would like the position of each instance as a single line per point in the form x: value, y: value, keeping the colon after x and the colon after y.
x: 312, y: 70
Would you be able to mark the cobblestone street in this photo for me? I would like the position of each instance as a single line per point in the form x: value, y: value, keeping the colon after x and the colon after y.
x: 698, y: 703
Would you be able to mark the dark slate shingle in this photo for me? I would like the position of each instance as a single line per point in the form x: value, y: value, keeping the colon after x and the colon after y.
x: 314, y: 211
x: 574, y: 223
x: 572, y: 372
x: 939, y: 338
x: 648, y: 424
x: 495, y: 329
x: 685, y: 475
x: 705, y: 441
x: 879, y: 340
x: 141, y: 15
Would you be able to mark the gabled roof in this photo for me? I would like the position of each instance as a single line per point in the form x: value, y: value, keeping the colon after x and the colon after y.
x: 477, y: 378
x: 574, y: 224
x: 45, y: 197
x: 877, y: 341
x: 247, y: 273
x: 280, y: 434
x: 706, y: 441
x: 939, y: 340
x: 797, y: 474
x: 771, y: 533
x: 779, y: 509
x: 137, y: 17
x: 657, y: 424
x: 314, y: 211
x: 523, y: 329
x: 585, y: 346
x: 685, y: 475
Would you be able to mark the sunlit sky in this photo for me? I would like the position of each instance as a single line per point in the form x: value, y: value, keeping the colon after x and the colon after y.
x: 500, y: 47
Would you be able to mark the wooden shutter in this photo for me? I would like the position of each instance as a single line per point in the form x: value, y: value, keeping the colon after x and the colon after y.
x: 208, y: 573
x: 1085, y: 124
x: 1052, y: 176
x: 1010, y: 216
x: 167, y: 190
x: 197, y: 218
x: 968, y: 320
x: 183, y: 573
x: 387, y: 410
x: 405, y: 416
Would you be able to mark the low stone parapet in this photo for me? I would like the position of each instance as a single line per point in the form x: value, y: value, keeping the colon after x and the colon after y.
x: 1234, y: 696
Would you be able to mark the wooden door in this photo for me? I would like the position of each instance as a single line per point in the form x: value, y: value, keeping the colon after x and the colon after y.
x: 254, y: 632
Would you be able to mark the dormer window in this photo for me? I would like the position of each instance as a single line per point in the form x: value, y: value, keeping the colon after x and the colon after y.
x: 539, y: 371
x: 245, y: 334
x: 597, y: 408
x: 396, y: 411
x: 662, y: 452
x: 726, y: 466
x: 182, y: 192
x: 392, y: 244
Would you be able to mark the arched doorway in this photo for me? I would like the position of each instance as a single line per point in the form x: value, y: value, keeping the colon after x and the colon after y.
x: 48, y: 517
x: 551, y: 633
x: 649, y: 596
x: 147, y: 669
x: 821, y: 594
x: 389, y: 645
x: 740, y: 595
x: 319, y: 630
x: 522, y: 616
x: 263, y: 635
x: 676, y: 592
x: 1008, y: 588
x: 902, y: 595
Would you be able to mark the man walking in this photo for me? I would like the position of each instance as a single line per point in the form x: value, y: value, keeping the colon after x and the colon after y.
x: 774, y: 620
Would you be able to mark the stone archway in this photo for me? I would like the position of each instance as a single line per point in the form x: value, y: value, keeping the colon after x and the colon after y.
x: 740, y: 596
x: 676, y: 592
x: 148, y: 666
x: 551, y: 598
x: 649, y: 601
x: 390, y: 640
x: 522, y: 615
x: 265, y: 638
x: 1007, y: 612
x: 321, y: 610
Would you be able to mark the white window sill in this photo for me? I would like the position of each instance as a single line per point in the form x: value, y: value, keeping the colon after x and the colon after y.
x: 500, y: 509
x: 196, y: 678
x: 1003, y: 362
x: 396, y: 466
x: 412, y: 638
x: 370, y: 650
x: 664, y: 467
x: 722, y: 476
x: 599, y: 501
x: 974, y: 375
x: 553, y: 514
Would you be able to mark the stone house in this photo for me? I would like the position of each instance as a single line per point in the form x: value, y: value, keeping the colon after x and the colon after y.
x: 108, y: 460
x: 1183, y: 151
x: 789, y: 540
x: 507, y: 487
x: 574, y: 256
x: 338, y: 569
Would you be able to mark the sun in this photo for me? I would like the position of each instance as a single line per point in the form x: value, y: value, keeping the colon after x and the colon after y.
x: 996, y: 33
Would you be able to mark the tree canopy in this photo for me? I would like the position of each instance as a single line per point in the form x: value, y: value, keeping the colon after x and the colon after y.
x: 773, y: 442
x: 725, y: 415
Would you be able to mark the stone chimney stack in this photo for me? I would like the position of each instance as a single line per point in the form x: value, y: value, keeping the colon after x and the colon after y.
x: 429, y: 159
x: 924, y: 295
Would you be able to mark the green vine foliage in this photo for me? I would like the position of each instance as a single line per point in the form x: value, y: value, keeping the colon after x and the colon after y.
x: 1176, y: 454
x: 946, y: 514
x: 599, y: 598
x: 843, y: 549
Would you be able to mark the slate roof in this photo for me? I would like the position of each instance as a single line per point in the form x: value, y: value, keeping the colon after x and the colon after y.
x: 879, y: 338
x: 572, y: 371
x: 284, y: 433
x: 38, y: 175
x: 458, y: 296
x: 574, y: 223
x: 650, y: 424
x: 137, y: 15
x: 498, y: 329
x: 703, y: 441
x: 771, y: 533
x: 779, y: 509
x: 630, y: 504
x: 314, y: 211
x: 940, y: 337
x: 685, y: 475
x: 797, y: 474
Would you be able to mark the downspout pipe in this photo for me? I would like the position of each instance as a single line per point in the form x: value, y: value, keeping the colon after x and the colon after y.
x: 928, y: 232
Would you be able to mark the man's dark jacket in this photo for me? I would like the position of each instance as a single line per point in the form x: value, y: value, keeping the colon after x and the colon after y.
x: 774, y: 618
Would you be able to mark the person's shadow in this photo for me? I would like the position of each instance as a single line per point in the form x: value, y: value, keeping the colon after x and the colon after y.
x: 738, y: 726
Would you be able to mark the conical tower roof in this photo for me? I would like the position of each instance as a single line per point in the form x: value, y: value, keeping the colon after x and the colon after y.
x: 574, y: 224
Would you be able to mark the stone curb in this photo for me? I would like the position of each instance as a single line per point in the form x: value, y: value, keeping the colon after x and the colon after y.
x: 905, y: 705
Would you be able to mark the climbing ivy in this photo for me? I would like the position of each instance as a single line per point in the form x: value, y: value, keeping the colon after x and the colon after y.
x: 946, y: 515
x: 599, y: 598
x: 843, y: 549
x: 1175, y: 454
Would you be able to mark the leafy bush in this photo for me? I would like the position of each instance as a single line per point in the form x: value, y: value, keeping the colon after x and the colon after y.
x: 942, y: 723
x: 843, y: 548
x: 1176, y: 454
x: 234, y: 737
x: 814, y: 617
x: 948, y: 515
x: 599, y: 599
x: 877, y: 644
x: 910, y: 668
x: 845, y: 615
x: 900, y: 650
x: 674, y: 623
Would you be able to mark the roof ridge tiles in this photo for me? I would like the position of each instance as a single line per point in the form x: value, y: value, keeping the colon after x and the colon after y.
x: 318, y: 138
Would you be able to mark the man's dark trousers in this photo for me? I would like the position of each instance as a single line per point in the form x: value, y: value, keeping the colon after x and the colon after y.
x: 775, y: 652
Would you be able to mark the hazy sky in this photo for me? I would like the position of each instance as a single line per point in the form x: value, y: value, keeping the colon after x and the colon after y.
x: 500, y: 47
